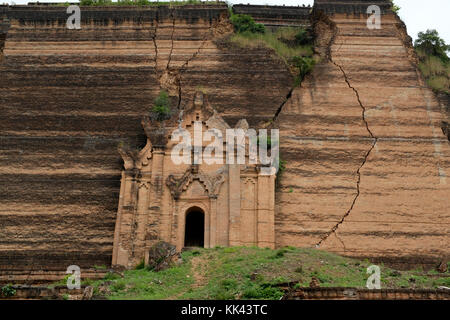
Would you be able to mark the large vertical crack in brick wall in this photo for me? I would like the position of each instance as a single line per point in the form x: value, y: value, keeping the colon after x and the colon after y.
x: 366, y: 162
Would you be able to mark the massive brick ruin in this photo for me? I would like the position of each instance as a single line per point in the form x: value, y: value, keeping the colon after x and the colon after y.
x: 202, y: 201
x: 363, y: 140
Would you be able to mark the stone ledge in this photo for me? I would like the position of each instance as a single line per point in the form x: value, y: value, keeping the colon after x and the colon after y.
x: 118, y: 14
x: 342, y: 293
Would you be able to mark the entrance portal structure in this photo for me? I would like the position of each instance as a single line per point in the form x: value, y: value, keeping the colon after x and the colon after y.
x: 161, y: 200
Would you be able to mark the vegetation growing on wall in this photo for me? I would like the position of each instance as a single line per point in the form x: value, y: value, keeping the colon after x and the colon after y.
x: 254, y: 273
x: 293, y: 45
x: 395, y: 7
x: 434, y: 61
x: 161, y: 107
x: 8, y: 291
x: 244, y: 23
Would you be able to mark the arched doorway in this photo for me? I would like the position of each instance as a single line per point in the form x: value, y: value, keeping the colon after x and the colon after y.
x: 194, y: 233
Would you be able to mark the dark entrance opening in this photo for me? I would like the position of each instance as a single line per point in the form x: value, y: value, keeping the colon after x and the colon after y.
x: 195, y: 228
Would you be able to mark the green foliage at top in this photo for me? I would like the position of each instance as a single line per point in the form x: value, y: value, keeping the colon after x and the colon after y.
x: 161, y: 107
x: 61, y: 282
x: 245, y: 23
x: 303, y: 37
x: 281, y: 162
x: 8, y: 291
x: 431, y: 44
x: 254, y: 273
x: 111, y: 276
x: 304, y: 66
x: 434, y: 62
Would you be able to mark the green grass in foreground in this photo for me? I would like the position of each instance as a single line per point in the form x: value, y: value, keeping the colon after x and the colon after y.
x: 252, y: 273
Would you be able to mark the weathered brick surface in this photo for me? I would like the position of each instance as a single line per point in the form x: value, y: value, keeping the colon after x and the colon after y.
x: 68, y: 98
x: 367, y: 163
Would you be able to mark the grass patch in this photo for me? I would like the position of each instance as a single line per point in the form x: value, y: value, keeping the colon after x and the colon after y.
x: 435, y: 71
x: 278, y: 41
x: 111, y: 276
x: 62, y: 282
x: 254, y: 273
x: 395, y: 8
x: 439, y: 83
x: 101, y: 267
x: 142, y: 284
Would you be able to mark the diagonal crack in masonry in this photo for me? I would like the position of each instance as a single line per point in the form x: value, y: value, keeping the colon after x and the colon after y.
x: 156, y: 47
x: 359, y: 100
x: 194, y: 55
x: 366, y: 156
x: 185, y: 65
x: 280, y: 108
x: 358, y: 172
x: 180, y: 70
x: 171, y: 39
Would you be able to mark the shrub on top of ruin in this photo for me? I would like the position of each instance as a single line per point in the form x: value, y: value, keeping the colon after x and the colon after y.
x: 161, y: 107
x: 111, y: 276
x: 261, y: 291
x: 431, y: 44
x: 8, y: 291
x: 303, y: 37
x: 245, y: 23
